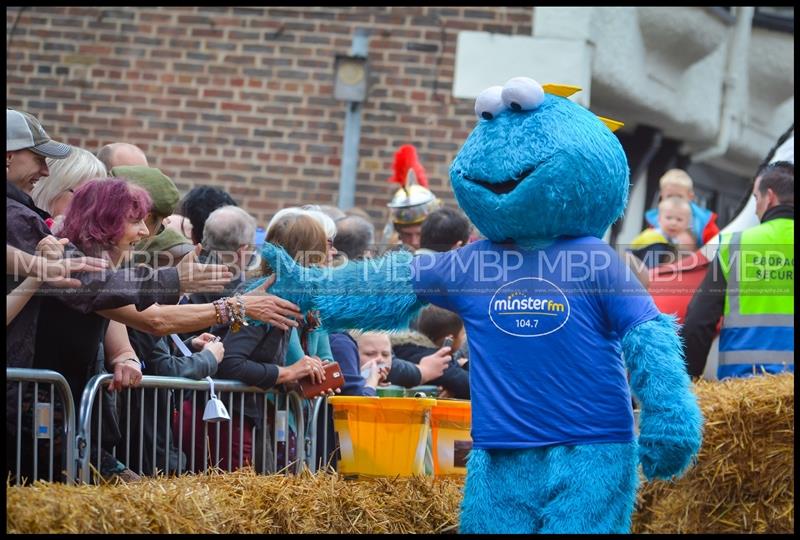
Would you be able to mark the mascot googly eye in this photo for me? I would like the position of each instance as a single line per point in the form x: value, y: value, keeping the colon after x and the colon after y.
x: 489, y: 103
x: 522, y: 94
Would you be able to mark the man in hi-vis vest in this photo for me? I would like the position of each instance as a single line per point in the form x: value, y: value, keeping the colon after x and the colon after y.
x: 751, y: 285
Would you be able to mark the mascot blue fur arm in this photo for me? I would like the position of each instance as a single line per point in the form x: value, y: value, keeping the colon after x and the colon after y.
x: 554, y: 449
x: 343, y: 295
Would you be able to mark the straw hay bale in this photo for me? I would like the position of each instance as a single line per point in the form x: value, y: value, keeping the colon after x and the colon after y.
x: 239, y: 502
x: 744, y: 477
x: 743, y: 482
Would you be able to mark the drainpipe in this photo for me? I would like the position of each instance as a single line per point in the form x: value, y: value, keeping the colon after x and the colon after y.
x: 732, y: 84
x: 352, y: 133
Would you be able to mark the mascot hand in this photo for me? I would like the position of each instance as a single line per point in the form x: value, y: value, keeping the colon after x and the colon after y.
x: 668, y: 441
x: 671, y: 424
x: 293, y: 282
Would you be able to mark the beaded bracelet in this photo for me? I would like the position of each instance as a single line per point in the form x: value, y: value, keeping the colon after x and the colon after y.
x: 215, y: 303
x: 232, y: 315
x: 242, y: 310
x: 238, y: 315
x: 229, y: 309
x: 222, y: 310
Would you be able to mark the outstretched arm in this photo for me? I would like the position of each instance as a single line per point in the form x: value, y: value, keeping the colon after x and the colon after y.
x: 670, y: 425
x: 375, y: 294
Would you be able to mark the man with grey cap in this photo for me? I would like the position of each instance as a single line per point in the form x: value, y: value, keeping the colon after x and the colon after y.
x: 27, y: 146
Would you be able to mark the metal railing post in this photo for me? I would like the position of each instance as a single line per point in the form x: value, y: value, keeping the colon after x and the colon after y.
x: 21, y: 376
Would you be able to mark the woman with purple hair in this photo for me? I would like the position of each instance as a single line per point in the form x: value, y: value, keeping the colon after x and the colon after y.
x: 105, y: 219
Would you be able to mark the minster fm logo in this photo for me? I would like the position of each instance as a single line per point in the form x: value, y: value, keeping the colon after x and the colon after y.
x: 529, y: 307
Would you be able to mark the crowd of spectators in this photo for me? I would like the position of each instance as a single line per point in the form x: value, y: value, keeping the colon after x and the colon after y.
x: 110, y: 270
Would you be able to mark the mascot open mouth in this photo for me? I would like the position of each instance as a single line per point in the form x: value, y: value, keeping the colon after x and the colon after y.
x: 501, y: 188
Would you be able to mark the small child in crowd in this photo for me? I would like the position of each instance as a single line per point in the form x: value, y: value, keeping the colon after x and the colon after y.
x: 674, y: 218
x: 374, y: 355
x: 438, y: 324
x: 678, y: 183
x: 672, y: 237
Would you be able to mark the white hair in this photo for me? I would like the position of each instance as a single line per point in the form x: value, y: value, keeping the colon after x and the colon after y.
x: 67, y: 173
x: 227, y: 228
x: 311, y: 210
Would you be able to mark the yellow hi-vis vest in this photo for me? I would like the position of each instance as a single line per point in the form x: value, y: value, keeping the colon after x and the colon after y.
x: 757, y: 333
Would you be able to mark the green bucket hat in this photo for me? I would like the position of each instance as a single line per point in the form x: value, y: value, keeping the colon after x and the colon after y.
x: 160, y: 187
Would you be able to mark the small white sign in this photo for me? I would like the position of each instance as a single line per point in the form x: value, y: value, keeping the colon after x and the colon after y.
x: 42, y: 420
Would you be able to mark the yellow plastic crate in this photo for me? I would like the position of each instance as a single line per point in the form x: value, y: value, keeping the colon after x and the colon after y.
x: 381, y: 436
x: 450, y: 424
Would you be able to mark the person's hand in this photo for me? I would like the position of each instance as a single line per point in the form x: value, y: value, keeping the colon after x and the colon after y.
x: 307, y: 365
x: 374, y: 376
x: 443, y: 393
x: 199, y: 342
x: 127, y: 373
x: 383, y: 373
x: 57, y: 272
x: 51, y: 248
x: 330, y: 392
x: 271, y: 309
x: 198, y: 277
x: 433, y: 365
x: 52, y: 267
x: 217, y: 349
x: 317, y: 369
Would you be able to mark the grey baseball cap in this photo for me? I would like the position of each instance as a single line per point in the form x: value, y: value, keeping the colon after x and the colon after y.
x: 23, y: 131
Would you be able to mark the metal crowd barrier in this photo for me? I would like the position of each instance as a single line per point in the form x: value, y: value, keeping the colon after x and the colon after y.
x: 319, y: 407
x: 91, y: 412
x: 42, y: 421
x: 314, y: 450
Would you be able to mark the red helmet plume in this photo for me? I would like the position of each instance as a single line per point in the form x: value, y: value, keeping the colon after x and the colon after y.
x: 404, y: 159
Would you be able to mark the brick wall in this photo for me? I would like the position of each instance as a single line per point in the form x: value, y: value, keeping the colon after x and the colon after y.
x: 242, y: 98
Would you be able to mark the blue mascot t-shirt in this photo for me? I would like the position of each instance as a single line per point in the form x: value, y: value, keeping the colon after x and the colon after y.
x: 544, y: 329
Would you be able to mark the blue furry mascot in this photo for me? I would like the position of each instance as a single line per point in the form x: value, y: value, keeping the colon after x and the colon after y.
x: 553, y: 318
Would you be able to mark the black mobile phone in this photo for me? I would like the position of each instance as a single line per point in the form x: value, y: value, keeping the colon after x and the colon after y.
x: 448, y: 342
